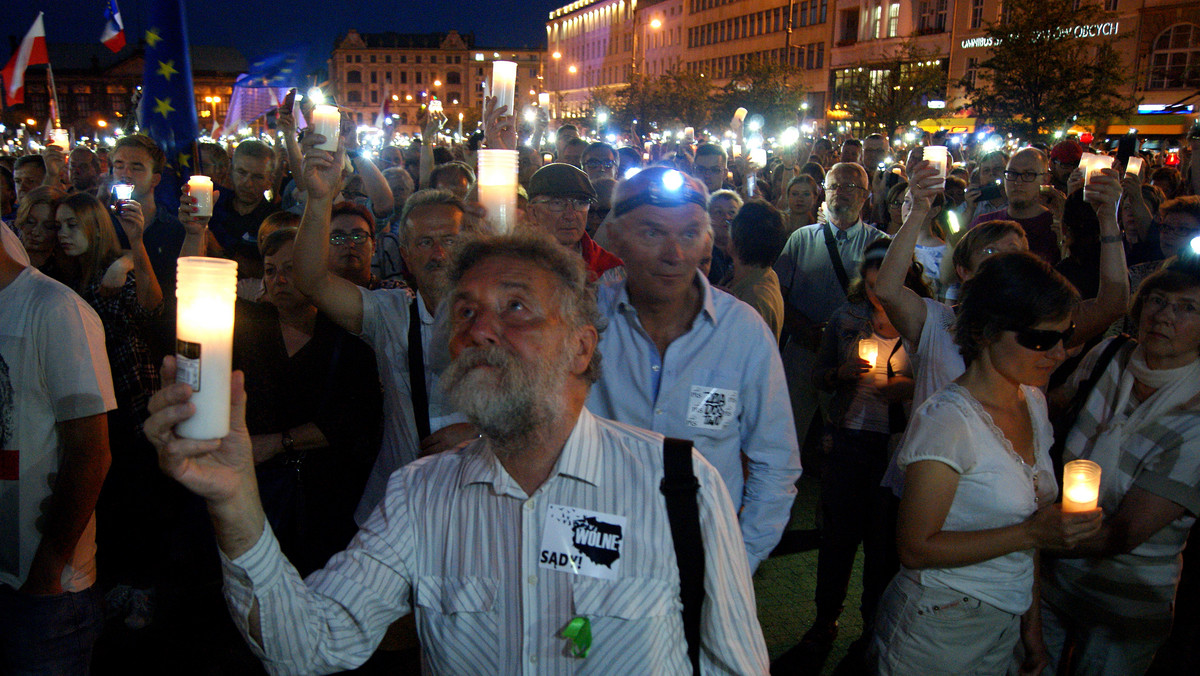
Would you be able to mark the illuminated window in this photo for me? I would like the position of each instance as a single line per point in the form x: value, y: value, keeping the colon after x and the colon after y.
x: 893, y: 20
x: 1175, y: 59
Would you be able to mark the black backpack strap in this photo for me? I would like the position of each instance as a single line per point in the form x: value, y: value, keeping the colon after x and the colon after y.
x: 416, y: 370
x: 682, y: 492
x: 1066, y: 421
x: 835, y: 258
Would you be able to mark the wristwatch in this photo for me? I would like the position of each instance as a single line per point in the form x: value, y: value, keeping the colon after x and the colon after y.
x: 288, y: 442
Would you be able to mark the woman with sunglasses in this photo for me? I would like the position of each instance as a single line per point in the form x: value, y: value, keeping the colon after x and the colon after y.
x: 979, y: 486
x: 1110, y: 603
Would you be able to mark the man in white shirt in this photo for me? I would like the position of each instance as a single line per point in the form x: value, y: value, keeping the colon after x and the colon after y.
x: 55, y: 392
x: 396, y: 325
x: 542, y: 548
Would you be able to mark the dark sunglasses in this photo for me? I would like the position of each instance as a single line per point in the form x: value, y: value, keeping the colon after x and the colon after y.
x: 1042, y: 340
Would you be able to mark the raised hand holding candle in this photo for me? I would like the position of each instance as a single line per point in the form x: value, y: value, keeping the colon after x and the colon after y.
x: 200, y: 188
x: 206, y: 289
x: 327, y: 121
x: 938, y: 156
x: 1081, y: 486
x: 1092, y: 164
x: 504, y: 84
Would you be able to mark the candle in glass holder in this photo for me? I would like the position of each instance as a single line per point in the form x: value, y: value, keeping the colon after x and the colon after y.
x: 1133, y: 166
x: 201, y: 188
x: 544, y: 99
x: 1092, y: 164
x: 327, y: 121
x: 868, y: 351
x: 497, y: 181
x: 206, y: 289
x: 61, y: 138
x: 938, y: 156
x: 504, y: 84
x: 1081, y: 486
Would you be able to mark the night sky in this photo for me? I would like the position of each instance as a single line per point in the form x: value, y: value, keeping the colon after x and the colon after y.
x: 495, y: 23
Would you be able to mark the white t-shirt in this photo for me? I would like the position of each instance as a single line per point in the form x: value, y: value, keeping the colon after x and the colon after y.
x: 995, y: 488
x: 12, y: 243
x: 53, y: 368
x: 936, y: 361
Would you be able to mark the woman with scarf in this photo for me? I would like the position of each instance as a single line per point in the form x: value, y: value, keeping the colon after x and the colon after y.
x: 1108, y: 607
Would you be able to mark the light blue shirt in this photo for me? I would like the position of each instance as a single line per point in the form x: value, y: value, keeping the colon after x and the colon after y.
x: 720, y: 385
x: 806, y: 273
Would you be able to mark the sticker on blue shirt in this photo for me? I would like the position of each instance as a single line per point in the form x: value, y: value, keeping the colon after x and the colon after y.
x: 582, y: 542
x: 712, y: 408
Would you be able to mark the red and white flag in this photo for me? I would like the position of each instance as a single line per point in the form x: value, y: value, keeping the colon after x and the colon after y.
x: 31, y: 53
x: 113, y: 36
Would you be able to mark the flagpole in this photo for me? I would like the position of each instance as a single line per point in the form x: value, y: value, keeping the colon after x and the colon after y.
x: 53, y: 97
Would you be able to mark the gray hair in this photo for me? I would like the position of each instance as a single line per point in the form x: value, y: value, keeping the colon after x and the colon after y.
x: 577, y: 297
x: 424, y: 198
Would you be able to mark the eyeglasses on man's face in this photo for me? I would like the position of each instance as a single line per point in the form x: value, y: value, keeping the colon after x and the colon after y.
x: 356, y: 237
x: 560, y: 204
x: 599, y: 164
x: 1026, y: 176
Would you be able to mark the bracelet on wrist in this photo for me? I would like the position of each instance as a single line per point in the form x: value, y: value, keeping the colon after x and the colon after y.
x: 1111, y: 239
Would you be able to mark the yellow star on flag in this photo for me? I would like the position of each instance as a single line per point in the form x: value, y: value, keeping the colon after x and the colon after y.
x: 152, y: 37
x: 167, y: 69
x: 163, y: 107
x: 185, y: 160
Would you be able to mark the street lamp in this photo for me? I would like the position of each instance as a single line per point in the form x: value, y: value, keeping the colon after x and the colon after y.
x: 213, y: 101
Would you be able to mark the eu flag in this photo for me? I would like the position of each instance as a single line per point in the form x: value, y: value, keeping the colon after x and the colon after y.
x: 285, y: 68
x: 168, y: 109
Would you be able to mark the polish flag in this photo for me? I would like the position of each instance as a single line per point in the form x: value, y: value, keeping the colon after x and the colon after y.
x: 31, y: 53
x: 113, y: 36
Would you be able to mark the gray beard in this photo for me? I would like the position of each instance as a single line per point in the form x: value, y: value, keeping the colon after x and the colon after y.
x: 514, y: 403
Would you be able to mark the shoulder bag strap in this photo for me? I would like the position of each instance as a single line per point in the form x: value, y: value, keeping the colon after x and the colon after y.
x: 682, y: 491
x: 1066, y: 421
x: 416, y: 370
x: 835, y: 258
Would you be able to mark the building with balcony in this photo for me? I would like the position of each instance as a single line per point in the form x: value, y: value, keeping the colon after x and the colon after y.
x: 411, y: 70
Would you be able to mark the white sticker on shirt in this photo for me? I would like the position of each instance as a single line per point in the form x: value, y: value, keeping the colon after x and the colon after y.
x: 712, y: 408
x: 582, y: 542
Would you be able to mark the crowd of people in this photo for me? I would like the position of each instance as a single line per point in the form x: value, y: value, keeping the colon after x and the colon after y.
x: 567, y: 448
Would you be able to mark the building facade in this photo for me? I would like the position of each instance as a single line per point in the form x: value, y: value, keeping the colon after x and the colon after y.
x: 96, y: 88
x: 400, y: 74
x: 833, y: 44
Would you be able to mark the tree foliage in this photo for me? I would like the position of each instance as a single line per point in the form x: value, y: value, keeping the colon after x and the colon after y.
x: 885, y: 95
x: 676, y: 98
x: 1040, y: 74
x: 768, y: 89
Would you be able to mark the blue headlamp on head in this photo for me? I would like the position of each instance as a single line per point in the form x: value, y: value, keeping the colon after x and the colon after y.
x: 660, y: 187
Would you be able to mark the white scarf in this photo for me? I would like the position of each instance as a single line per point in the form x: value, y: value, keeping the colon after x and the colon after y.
x: 1172, y: 388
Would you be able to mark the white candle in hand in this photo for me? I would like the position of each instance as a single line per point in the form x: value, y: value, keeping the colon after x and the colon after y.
x: 504, y: 84
x: 200, y: 188
x: 327, y: 121
x: 497, y: 181
x: 206, y: 289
